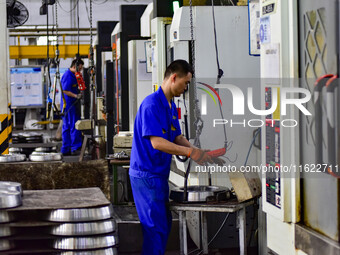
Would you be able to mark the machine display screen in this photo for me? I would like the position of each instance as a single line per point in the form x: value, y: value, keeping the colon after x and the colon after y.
x: 26, y: 87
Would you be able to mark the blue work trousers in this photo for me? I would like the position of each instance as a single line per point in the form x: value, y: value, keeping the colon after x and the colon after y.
x: 151, y: 196
x: 72, y: 139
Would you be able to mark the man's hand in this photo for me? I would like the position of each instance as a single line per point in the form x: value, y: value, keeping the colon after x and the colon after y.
x: 200, y: 156
x: 79, y: 96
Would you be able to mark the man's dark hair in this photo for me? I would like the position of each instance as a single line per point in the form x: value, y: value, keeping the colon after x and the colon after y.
x: 180, y: 67
x: 74, y: 62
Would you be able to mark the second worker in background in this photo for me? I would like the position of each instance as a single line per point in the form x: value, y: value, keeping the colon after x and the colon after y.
x: 72, y: 138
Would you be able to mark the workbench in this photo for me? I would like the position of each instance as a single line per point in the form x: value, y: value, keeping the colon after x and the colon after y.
x: 228, y: 207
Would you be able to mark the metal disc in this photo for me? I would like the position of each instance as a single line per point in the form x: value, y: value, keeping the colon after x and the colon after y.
x: 5, y: 231
x: 84, y: 229
x: 85, y: 243
x: 5, y: 216
x: 81, y: 214
x: 9, y: 199
x: 5, y: 245
x: 109, y: 251
x: 7, y: 158
x: 12, y: 186
x: 41, y: 156
x: 198, y: 193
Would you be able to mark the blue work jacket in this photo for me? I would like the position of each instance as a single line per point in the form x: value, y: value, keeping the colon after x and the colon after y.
x: 154, y: 118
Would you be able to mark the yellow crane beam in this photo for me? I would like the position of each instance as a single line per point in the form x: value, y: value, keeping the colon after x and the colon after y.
x: 40, y: 51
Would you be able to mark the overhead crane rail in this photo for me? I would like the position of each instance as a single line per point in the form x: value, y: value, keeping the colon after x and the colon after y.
x: 39, y: 51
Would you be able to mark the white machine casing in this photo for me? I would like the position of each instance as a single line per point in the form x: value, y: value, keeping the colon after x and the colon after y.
x: 237, y: 64
x: 159, y: 28
x: 139, y: 79
x: 145, y: 21
x: 283, y: 36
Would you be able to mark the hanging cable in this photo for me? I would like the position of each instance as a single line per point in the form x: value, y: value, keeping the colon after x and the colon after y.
x: 198, y: 123
x: 57, y: 61
x: 56, y: 29
x: 49, y: 99
x: 92, y: 80
x: 53, y: 20
x: 78, y: 35
x: 87, y: 12
x: 79, y: 76
x: 48, y: 45
x: 72, y: 9
x: 251, y: 145
x: 184, y: 159
x: 186, y: 124
x: 221, y: 151
x: 219, y: 70
x: 54, y: 87
x: 99, y: 3
x: 91, y: 35
x: 91, y: 64
x: 193, y: 83
x: 221, y: 112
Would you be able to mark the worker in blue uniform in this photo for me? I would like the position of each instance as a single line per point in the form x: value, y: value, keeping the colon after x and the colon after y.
x: 156, y: 137
x: 72, y: 138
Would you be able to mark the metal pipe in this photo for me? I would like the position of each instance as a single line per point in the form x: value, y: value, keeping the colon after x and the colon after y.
x: 319, y: 84
x: 16, y: 30
x: 4, y: 72
x: 331, y: 85
x: 44, y: 34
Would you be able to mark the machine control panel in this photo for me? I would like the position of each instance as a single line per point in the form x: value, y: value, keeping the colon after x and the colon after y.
x: 273, y: 178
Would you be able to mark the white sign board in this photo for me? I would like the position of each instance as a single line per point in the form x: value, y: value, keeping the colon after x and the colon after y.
x: 27, y: 87
x: 265, y: 30
x: 254, y: 26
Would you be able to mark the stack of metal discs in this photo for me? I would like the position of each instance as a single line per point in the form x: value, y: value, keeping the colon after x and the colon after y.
x: 33, y: 137
x: 40, y: 227
x: 45, y: 156
x: 46, y: 149
x: 18, y: 138
x: 12, y: 157
x: 14, y: 150
x: 5, y: 231
x: 10, y: 197
x: 84, y: 230
x: 17, y: 154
